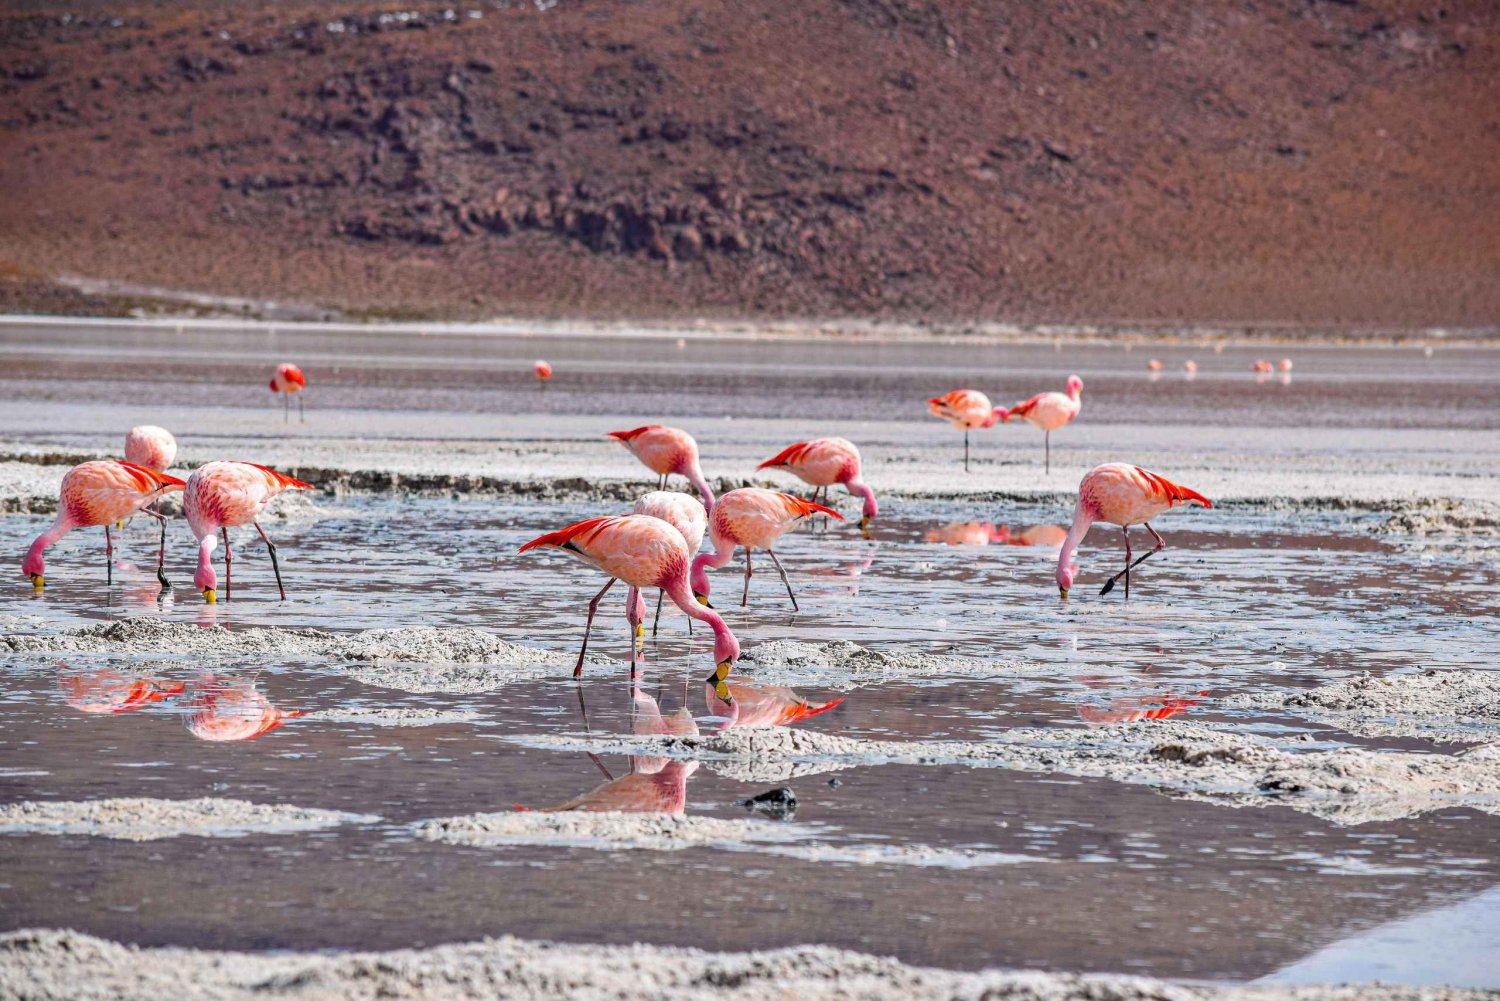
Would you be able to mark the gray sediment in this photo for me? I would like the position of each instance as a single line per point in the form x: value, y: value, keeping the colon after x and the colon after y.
x: 50, y: 965
x: 1447, y: 705
x: 139, y: 819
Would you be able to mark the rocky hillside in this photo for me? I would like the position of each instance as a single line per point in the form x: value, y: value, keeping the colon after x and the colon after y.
x: 1279, y: 160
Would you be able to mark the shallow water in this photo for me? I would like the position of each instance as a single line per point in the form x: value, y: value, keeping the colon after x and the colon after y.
x: 1097, y: 875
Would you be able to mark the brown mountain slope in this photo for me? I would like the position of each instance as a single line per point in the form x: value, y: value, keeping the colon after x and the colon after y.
x: 1282, y: 160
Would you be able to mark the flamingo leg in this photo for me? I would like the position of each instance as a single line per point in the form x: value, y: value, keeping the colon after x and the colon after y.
x: 1160, y: 545
x: 161, y: 553
x: 301, y: 413
x: 1047, y: 439
x: 966, y: 450
x: 271, y: 548
x: 228, y: 564
x: 286, y: 412
x: 745, y: 598
x: 656, y: 622
x: 109, y: 558
x: 593, y: 607
x: 789, y: 594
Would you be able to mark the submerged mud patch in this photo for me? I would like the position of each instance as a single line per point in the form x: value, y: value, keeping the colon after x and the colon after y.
x: 1437, y: 705
x: 392, y: 716
x: 1441, y: 516
x: 139, y: 819
x: 602, y: 829
x: 47, y: 965
x: 1344, y: 786
x: 841, y: 664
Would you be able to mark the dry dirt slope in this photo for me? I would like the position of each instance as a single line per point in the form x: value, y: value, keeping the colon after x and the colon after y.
x: 1281, y: 160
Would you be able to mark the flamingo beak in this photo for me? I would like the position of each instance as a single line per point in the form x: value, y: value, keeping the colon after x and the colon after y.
x: 37, y: 581
x: 703, y: 600
x: 209, y: 596
x: 1063, y: 592
x: 864, y: 526
x: 640, y: 630
x: 721, y: 689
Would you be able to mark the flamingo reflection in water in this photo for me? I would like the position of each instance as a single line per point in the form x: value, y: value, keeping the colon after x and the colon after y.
x: 759, y: 704
x: 1135, y: 708
x: 226, y: 709
x: 109, y: 690
x: 982, y: 533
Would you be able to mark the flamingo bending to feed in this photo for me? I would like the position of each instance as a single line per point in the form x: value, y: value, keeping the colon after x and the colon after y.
x: 98, y: 493
x: 1049, y: 411
x: 288, y: 380
x: 754, y: 518
x: 1118, y: 493
x: 150, y: 446
x: 683, y: 513
x: 224, y: 495
x: 643, y: 552
x: 823, y: 462
x: 965, y: 409
x: 665, y: 451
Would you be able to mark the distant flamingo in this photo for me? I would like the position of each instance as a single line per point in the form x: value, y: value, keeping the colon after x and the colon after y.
x: 1262, y: 366
x: 1039, y: 535
x: 965, y: 409
x: 1154, y: 365
x: 150, y: 446
x: 754, y: 518
x: 231, y: 709
x: 1285, y: 364
x: 643, y: 552
x: 543, y: 372
x: 1118, y: 493
x: 1190, y: 367
x: 224, y: 495
x: 665, y: 451
x: 757, y: 704
x: 1049, y: 411
x: 824, y: 462
x: 288, y: 380
x: 98, y: 493
x: 683, y: 513
x: 110, y: 690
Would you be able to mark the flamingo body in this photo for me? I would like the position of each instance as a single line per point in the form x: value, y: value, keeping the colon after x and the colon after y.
x: 100, y: 492
x: 542, y: 369
x: 666, y: 451
x: 1118, y: 493
x: 823, y: 462
x: 288, y: 379
x: 755, y: 518
x: 151, y: 446
x: 681, y: 511
x: 1049, y: 411
x: 965, y: 409
x: 226, y: 494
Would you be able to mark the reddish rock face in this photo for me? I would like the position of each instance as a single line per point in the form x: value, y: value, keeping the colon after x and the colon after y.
x: 895, y: 158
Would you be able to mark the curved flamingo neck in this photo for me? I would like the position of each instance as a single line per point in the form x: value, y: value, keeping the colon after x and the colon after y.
x: 62, y: 526
x: 726, y: 646
x: 860, y: 488
x: 695, y: 477
x: 206, y: 575
x: 1082, y: 520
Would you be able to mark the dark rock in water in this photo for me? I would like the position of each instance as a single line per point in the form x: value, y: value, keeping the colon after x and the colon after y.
x: 778, y: 804
x: 835, y: 782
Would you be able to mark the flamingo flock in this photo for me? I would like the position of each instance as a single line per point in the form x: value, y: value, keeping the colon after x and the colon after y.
x: 656, y: 546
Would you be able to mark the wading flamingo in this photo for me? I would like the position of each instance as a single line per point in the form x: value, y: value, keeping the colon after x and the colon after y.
x: 1154, y: 365
x: 1118, y: 493
x: 288, y: 380
x: 643, y: 552
x: 665, y: 451
x: 98, y: 493
x: 965, y: 409
x: 543, y: 372
x: 683, y: 513
x: 151, y: 446
x: 224, y: 495
x: 754, y: 518
x: 1285, y: 364
x: 823, y: 462
x: 1049, y: 411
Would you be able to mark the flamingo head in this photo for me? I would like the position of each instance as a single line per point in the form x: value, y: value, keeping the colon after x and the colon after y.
x: 1066, y: 571
x: 206, y: 580
x: 1075, y: 385
x: 996, y: 416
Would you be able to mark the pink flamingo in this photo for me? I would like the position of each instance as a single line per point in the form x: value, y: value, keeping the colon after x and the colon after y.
x: 98, y: 493
x: 754, y: 518
x: 965, y: 409
x: 288, y: 380
x: 683, y: 513
x: 1049, y: 411
x: 823, y: 462
x: 1190, y: 367
x: 1285, y: 364
x: 151, y: 446
x: 1118, y: 493
x: 753, y: 704
x: 1262, y: 366
x: 224, y: 495
x: 1135, y: 708
x: 1039, y: 535
x: 543, y: 372
x: 109, y: 690
x: 665, y: 451
x: 1154, y: 365
x: 643, y: 552
x: 230, y: 709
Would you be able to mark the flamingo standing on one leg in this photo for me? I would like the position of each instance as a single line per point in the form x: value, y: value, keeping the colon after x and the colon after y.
x: 754, y: 518
x: 224, y: 495
x: 98, y: 493
x: 287, y: 380
x: 824, y: 462
x: 683, y: 513
x: 1049, y: 411
x: 643, y: 552
x: 665, y: 451
x: 965, y: 409
x: 1118, y: 493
